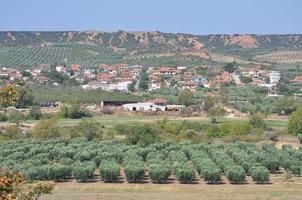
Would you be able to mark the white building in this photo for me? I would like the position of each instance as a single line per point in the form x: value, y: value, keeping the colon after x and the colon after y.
x: 142, y: 107
x: 123, y: 85
x: 274, y: 77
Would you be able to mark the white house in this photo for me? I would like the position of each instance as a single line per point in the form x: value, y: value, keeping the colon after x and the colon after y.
x: 142, y: 107
x: 123, y: 85
x: 274, y: 77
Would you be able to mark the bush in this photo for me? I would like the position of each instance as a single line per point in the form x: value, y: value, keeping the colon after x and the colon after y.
x: 58, y: 171
x: 35, y: 113
x: 142, y: 135
x: 296, y: 169
x: 83, y: 171
x: 135, y: 172
x: 211, y: 175
x: 107, y: 111
x: 260, y: 174
x: 273, y: 136
x: 257, y: 121
x: 37, y: 173
x: 159, y: 173
x: 109, y: 172
x: 236, y: 175
x: 185, y: 173
x: 300, y: 138
x: 271, y: 163
x: 3, y: 117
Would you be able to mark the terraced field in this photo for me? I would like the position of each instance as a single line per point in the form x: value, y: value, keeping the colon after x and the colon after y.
x: 281, y: 57
x: 30, y: 56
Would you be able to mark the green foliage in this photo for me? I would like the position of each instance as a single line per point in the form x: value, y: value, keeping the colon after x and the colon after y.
x: 260, y: 174
x: 83, y: 171
x: 186, y: 98
x: 236, y: 174
x: 142, y: 134
x: 109, y: 172
x: 135, y: 171
x: 159, y: 173
x: 295, y: 122
x: 35, y: 113
x: 296, y: 169
x: 185, y: 173
x: 15, y: 117
x: 257, y: 121
x: 58, y: 172
x: 230, y: 67
x: 300, y: 138
x: 74, y: 111
x: 60, y: 159
x: 3, y: 117
x: 90, y: 129
x: 46, y: 128
x: 13, y: 132
x: 76, y: 94
x: 224, y: 129
x: 286, y: 105
x: 209, y: 102
x: 211, y: 175
x: 215, y: 112
x: 25, y: 98
x: 271, y: 163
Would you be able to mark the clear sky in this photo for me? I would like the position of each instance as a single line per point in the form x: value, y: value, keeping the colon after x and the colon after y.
x: 186, y: 16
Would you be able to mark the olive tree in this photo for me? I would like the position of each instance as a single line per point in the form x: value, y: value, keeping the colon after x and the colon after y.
x: 260, y: 174
x: 109, y: 172
x: 236, y: 174
x: 185, y: 173
x: 159, y: 173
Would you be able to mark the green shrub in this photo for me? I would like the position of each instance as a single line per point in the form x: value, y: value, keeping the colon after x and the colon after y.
x: 83, y: 171
x: 236, y: 174
x: 135, y: 172
x: 57, y: 172
x: 37, y: 173
x: 109, y: 172
x: 3, y: 117
x: 296, y: 169
x: 211, y: 175
x: 260, y: 174
x: 185, y: 173
x: 271, y: 163
x: 300, y: 138
x: 159, y: 173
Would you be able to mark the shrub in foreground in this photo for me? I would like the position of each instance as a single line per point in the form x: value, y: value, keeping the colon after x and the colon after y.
x: 135, y: 172
x: 236, y: 175
x: 185, y: 173
x: 109, y: 172
x: 260, y: 174
x: 83, y: 171
x: 159, y: 173
x: 212, y: 175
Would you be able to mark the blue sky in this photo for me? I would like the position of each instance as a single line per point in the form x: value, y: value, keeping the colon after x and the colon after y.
x: 186, y: 16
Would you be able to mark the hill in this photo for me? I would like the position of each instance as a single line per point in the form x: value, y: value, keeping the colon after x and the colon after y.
x: 91, y: 48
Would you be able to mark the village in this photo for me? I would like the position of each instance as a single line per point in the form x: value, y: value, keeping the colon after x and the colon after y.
x: 138, y: 79
x: 120, y: 77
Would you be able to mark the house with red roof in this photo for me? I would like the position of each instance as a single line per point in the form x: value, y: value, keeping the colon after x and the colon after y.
x: 298, y: 79
x: 167, y: 71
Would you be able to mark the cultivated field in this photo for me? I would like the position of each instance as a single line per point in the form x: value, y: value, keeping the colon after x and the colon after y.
x: 281, y: 57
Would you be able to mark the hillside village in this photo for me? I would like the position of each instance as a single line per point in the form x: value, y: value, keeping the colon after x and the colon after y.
x: 122, y: 77
x: 137, y: 79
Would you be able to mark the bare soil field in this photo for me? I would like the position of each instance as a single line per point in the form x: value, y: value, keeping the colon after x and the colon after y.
x: 276, y: 190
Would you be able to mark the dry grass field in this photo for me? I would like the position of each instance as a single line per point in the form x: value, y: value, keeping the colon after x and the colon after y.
x: 277, y: 190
